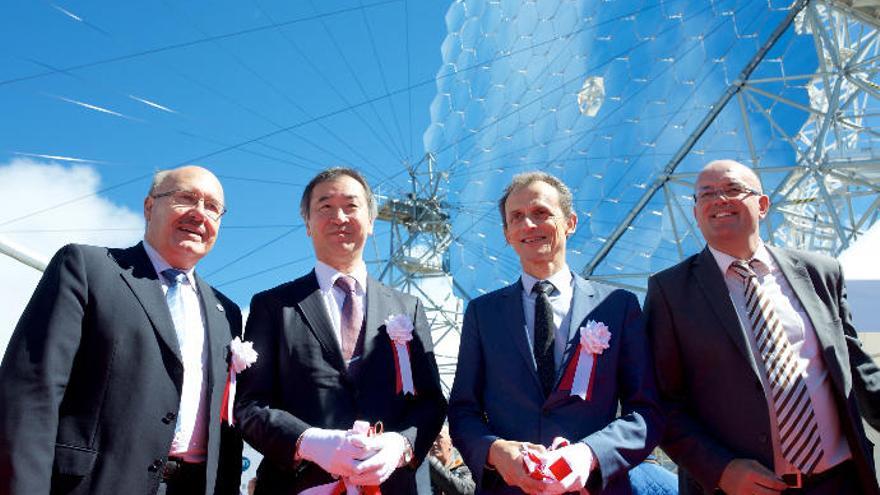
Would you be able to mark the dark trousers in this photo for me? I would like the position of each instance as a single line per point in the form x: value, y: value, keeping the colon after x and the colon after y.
x: 182, y: 478
x: 839, y: 480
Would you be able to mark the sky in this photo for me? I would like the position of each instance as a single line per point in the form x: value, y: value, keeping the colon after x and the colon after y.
x: 97, y: 96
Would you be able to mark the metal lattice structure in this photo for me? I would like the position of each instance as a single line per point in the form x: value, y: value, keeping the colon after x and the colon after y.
x: 419, y: 264
x: 626, y: 102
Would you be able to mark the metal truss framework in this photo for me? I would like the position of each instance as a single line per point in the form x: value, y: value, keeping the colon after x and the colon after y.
x: 826, y: 196
x: 419, y: 261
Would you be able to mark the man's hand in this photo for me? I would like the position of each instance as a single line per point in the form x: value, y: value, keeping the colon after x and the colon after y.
x: 335, y: 451
x: 376, y: 469
x: 746, y: 476
x: 506, y: 457
x: 580, y: 459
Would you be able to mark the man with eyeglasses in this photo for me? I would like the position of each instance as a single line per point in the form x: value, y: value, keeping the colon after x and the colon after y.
x: 337, y: 346
x: 113, y: 379
x: 763, y: 377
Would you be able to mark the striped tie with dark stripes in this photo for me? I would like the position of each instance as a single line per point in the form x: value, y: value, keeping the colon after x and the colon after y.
x: 798, y: 432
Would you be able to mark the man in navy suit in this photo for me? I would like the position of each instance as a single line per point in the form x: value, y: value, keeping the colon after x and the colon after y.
x: 328, y: 357
x: 526, y: 350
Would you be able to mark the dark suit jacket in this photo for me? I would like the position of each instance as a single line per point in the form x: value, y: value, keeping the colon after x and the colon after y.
x: 708, y: 378
x: 90, y: 384
x: 497, y: 393
x: 300, y: 381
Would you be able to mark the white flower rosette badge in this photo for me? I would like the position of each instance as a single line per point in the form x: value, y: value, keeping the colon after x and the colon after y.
x: 241, y: 356
x: 579, y: 376
x: 400, y: 330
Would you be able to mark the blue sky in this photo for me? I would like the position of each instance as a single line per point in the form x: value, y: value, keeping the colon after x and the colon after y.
x: 96, y: 96
x: 263, y: 93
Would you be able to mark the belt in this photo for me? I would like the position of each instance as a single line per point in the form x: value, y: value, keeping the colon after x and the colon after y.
x: 800, y: 480
x: 176, y: 468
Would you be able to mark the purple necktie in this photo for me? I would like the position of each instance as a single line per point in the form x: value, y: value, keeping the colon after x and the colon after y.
x: 352, y: 316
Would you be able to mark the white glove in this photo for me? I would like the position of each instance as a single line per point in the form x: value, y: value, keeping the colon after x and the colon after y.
x: 579, y: 457
x: 335, y: 451
x: 375, y: 470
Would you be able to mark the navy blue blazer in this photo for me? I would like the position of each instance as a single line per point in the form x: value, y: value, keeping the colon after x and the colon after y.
x: 497, y: 393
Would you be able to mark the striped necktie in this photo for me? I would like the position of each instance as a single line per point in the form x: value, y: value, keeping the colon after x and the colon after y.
x: 798, y: 432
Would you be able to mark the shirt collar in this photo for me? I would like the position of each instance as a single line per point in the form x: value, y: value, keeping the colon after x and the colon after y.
x: 327, y: 276
x: 561, y: 280
x: 761, y: 254
x: 160, y: 265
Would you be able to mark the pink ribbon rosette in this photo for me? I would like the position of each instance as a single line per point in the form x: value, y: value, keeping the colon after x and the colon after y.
x: 579, y: 375
x: 241, y: 356
x: 400, y: 330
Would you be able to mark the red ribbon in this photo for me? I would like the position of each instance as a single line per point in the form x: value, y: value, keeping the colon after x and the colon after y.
x: 568, y: 377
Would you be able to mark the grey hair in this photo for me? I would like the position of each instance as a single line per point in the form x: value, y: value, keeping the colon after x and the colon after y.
x: 524, y: 179
x: 333, y: 174
x: 158, y: 178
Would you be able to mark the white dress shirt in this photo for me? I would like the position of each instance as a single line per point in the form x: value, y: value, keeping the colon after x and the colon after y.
x: 802, y: 338
x: 560, y: 301
x: 191, y: 429
x: 334, y: 297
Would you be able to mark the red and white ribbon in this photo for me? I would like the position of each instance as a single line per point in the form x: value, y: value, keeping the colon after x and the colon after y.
x: 242, y: 356
x: 538, y: 468
x: 400, y: 330
x: 579, y: 375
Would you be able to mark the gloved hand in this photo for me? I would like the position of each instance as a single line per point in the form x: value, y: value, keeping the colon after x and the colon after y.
x: 579, y: 457
x: 335, y: 451
x: 375, y: 470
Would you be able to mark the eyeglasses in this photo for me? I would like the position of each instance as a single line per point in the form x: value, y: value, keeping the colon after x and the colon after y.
x: 188, y: 199
x: 733, y: 191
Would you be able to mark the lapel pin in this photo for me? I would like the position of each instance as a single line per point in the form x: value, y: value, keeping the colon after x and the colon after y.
x: 220, y: 307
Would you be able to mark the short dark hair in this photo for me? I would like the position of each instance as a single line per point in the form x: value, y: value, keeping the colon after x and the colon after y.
x: 524, y: 179
x: 333, y: 174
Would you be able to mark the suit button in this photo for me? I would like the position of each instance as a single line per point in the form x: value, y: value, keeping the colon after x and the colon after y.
x: 155, y: 466
x: 545, y: 412
x: 762, y: 437
x: 169, y: 418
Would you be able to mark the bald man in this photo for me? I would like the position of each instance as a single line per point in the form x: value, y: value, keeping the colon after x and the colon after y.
x: 113, y: 380
x: 763, y: 378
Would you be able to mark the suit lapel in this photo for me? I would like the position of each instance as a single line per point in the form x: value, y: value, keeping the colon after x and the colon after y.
x: 315, y: 313
x: 711, y: 281
x: 796, y: 274
x: 515, y: 326
x: 141, y: 277
x: 378, y: 297
x: 216, y: 338
x: 583, y: 301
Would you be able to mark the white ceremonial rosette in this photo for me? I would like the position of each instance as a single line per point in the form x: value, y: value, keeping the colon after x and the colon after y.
x: 578, y: 377
x: 241, y: 356
x: 400, y: 330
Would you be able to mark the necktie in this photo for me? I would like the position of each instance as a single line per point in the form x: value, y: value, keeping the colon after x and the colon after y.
x: 352, y: 316
x: 545, y: 334
x: 174, y: 298
x: 798, y: 431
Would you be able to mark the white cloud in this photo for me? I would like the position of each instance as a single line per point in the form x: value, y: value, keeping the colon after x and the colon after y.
x: 28, y: 186
x: 860, y: 259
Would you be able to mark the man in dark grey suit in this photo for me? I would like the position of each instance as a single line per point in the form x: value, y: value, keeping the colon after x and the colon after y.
x: 336, y: 346
x: 522, y: 349
x: 113, y: 380
x: 763, y: 377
